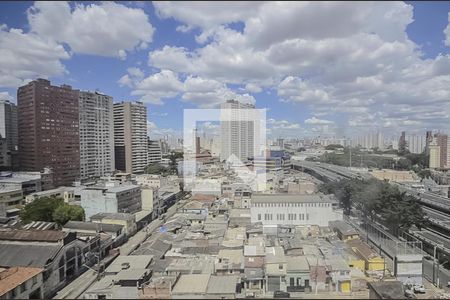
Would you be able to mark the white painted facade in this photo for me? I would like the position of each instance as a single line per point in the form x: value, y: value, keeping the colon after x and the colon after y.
x: 293, y: 209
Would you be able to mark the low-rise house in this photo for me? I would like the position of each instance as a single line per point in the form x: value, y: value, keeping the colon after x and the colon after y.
x: 223, y: 287
x: 21, y: 283
x: 297, y: 274
x: 373, y: 262
x: 128, y: 221
x: 229, y: 262
x: 92, y: 229
x: 191, y: 286
x: 339, y: 272
x: 317, y: 273
x: 122, y: 278
x: 195, y: 207
x: 240, y: 217
x: 202, y: 264
x: 158, y: 287
x: 344, y: 230
x: 254, y: 257
x: 275, y: 269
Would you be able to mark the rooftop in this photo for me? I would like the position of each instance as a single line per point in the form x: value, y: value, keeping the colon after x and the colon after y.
x: 291, y: 198
x: 192, y: 284
x: 114, y: 216
x: 297, y: 263
x: 32, y: 235
x: 98, y: 227
x: 222, y: 284
x: 388, y: 289
x: 15, y: 276
x: 129, y: 262
x: 26, y: 255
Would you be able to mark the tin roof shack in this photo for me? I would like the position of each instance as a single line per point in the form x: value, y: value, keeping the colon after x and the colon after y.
x: 234, y: 238
x: 158, y: 287
x: 92, y: 229
x: 202, y: 264
x: 344, y: 230
x: 229, y: 262
x: 386, y: 290
x: 21, y: 283
x: 223, y: 287
x: 191, y: 286
x: 254, y: 258
x: 318, y: 273
x: 122, y: 278
x: 339, y: 272
x: 373, y: 262
x: 240, y: 217
x: 59, y: 253
x: 128, y: 221
x: 297, y: 274
x: 276, y: 266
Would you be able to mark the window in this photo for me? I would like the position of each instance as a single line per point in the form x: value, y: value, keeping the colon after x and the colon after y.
x: 307, y: 217
x: 280, y: 266
x: 259, y: 217
x: 23, y: 287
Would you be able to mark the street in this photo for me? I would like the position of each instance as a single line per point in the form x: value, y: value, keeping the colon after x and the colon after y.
x: 76, y: 288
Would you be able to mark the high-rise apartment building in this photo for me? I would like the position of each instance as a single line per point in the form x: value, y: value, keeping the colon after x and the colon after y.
x: 370, y: 141
x: 9, y: 137
x: 435, y: 155
x: 442, y: 142
x: 96, y: 135
x: 130, y: 137
x: 154, y: 152
x: 415, y: 143
x: 236, y: 131
x: 48, y: 122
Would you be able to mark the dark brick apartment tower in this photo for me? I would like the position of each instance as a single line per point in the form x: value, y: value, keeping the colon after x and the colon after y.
x: 48, y: 130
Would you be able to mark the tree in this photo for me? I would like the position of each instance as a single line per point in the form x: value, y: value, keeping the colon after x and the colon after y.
x: 40, y: 209
x: 156, y: 169
x: 51, y: 209
x: 66, y: 212
x: 333, y: 147
x: 404, y: 164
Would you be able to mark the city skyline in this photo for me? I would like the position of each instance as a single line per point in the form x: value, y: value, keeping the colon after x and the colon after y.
x: 341, y: 80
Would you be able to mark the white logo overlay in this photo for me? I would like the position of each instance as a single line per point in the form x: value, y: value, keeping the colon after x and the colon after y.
x: 242, y: 138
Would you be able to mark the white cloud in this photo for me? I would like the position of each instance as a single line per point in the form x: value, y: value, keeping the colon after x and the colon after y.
x: 282, y: 124
x: 24, y: 56
x: 204, y: 93
x: 316, y: 121
x: 6, y: 96
x: 107, y: 29
x: 447, y: 32
x: 158, y: 86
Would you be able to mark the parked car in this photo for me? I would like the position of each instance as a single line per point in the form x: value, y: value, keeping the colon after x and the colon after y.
x: 419, y: 288
x: 281, y: 294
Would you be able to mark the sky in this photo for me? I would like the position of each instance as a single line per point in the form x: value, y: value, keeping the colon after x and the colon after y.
x: 319, y: 68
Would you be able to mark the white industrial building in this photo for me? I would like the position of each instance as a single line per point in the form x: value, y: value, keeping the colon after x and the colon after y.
x: 293, y: 209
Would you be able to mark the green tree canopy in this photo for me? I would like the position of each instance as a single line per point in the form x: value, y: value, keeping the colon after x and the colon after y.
x: 378, y: 201
x: 66, y: 212
x: 156, y: 169
x: 51, y: 209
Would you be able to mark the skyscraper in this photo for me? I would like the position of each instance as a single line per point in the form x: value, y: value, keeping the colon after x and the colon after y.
x: 435, y: 155
x: 48, y: 118
x: 154, y: 152
x: 442, y: 142
x: 96, y: 135
x: 9, y: 138
x: 402, y: 142
x: 236, y: 131
x: 415, y: 143
x: 130, y: 136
